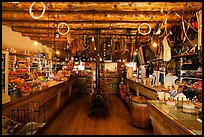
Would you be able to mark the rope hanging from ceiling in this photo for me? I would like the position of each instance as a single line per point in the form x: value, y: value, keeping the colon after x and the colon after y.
x: 142, y: 24
x: 31, y: 13
x: 61, y: 24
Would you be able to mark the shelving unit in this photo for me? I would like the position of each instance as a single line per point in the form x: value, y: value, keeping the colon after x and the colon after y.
x: 34, y: 64
x: 23, y: 66
x: 176, y: 57
x: 93, y: 76
x: 85, y: 84
x: 12, y: 67
x: 18, y: 54
x: 46, y: 67
x: 12, y: 63
x: 19, y: 65
x: 54, y: 65
x: 185, y: 55
x: 189, y: 79
x: 179, y: 63
x: 111, y: 82
x: 184, y: 73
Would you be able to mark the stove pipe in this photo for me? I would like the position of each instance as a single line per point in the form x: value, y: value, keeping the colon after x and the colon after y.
x: 97, y: 58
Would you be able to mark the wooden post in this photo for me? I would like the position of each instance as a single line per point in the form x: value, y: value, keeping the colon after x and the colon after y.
x: 128, y: 88
x: 137, y: 91
x: 98, y: 59
x: 199, y: 16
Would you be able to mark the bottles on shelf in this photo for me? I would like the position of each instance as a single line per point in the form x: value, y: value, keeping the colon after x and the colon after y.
x: 23, y: 66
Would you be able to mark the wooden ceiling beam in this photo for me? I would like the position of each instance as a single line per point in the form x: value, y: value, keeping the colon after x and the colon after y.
x: 64, y: 40
x: 74, y: 35
x: 51, y: 31
x: 87, y: 16
x: 84, y: 17
x: 36, y: 25
x: 46, y: 42
x: 107, y: 6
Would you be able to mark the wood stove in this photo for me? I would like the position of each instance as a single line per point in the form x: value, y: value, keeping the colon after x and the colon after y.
x: 99, y: 97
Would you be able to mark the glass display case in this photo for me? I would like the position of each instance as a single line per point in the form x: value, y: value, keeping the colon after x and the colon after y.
x: 5, y: 96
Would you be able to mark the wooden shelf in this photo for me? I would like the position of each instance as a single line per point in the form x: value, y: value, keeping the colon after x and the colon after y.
x: 17, y: 54
x: 22, y: 73
x: 176, y: 56
x: 154, y: 60
x: 23, y: 55
x: 184, y: 55
x: 22, y: 68
x: 189, y: 77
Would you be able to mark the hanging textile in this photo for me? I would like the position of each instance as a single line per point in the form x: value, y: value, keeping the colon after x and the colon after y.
x: 138, y: 59
x: 141, y: 51
x: 167, y: 49
x: 140, y: 56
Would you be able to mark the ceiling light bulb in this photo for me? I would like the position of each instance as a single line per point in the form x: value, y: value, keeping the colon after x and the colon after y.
x: 92, y: 38
x: 135, y: 53
x: 162, y: 10
x: 57, y: 52
x: 35, y: 43
x: 154, y: 44
x: 158, y: 32
x: 57, y: 35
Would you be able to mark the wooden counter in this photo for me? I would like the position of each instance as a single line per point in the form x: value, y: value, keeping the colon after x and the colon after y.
x: 171, y: 120
x: 167, y: 119
x: 52, y: 98
x: 145, y: 90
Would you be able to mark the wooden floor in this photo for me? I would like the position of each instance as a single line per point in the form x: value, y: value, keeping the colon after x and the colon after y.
x: 73, y: 120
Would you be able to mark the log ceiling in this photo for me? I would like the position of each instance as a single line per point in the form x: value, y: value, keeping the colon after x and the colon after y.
x: 83, y: 18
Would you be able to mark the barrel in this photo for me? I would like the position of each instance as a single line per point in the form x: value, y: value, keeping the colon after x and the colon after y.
x: 139, y: 112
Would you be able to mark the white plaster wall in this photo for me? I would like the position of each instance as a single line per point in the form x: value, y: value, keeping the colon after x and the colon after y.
x: 11, y: 39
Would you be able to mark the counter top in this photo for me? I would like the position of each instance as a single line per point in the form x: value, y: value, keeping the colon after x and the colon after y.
x: 53, y: 82
x: 145, y: 90
x: 155, y: 88
x: 51, y: 99
x: 49, y: 84
x: 186, y: 119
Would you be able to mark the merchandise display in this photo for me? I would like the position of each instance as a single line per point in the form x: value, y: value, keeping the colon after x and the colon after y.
x: 146, y: 56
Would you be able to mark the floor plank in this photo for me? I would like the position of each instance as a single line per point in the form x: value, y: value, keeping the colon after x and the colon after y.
x: 73, y: 120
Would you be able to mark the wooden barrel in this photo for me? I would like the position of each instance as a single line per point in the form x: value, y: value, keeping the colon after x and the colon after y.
x: 139, y: 112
